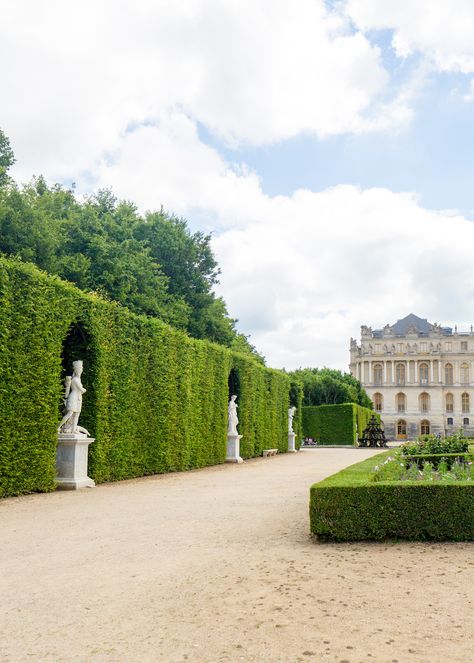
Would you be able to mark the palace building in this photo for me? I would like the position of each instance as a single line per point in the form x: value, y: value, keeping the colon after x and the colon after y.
x: 420, y: 376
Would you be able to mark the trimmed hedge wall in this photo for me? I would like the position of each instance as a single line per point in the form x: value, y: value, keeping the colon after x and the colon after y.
x: 349, y: 506
x: 156, y: 399
x: 336, y: 424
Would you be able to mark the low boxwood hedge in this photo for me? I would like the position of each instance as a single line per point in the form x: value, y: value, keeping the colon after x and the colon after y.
x: 349, y: 506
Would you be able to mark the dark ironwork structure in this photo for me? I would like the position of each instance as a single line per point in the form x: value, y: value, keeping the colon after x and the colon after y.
x: 373, y: 436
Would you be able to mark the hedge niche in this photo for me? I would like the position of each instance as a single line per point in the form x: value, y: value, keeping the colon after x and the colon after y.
x: 336, y: 424
x: 156, y: 399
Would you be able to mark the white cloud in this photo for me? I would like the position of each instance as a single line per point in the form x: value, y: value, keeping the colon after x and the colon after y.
x: 441, y: 31
x: 74, y: 77
x: 303, y: 272
x: 113, y: 94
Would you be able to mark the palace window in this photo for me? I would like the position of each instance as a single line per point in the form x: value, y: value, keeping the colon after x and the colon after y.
x: 401, y: 428
x: 378, y: 402
x: 422, y: 347
x: 448, y: 374
x: 401, y: 402
x: 423, y: 371
x: 449, y: 403
x: 465, y: 421
x: 425, y: 427
x: 448, y: 346
x: 465, y: 402
x: 377, y: 347
x: 450, y: 421
x: 378, y: 374
x: 400, y: 373
x: 400, y: 347
x: 463, y: 346
x: 464, y: 373
x: 424, y: 401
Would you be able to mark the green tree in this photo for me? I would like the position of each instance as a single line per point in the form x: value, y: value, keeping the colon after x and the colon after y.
x: 7, y: 159
x: 328, y: 386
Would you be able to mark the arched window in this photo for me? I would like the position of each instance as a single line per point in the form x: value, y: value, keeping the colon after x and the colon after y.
x: 401, y: 429
x: 378, y: 402
x: 425, y: 427
x: 464, y: 373
x: 423, y: 372
x: 449, y: 403
x: 400, y: 373
x: 424, y: 401
x: 378, y: 374
x: 401, y: 402
x: 465, y: 402
x: 448, y: 374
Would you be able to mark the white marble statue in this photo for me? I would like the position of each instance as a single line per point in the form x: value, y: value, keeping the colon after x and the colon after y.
x: 291, y: 414
x: 233, y: 419
x: 73, y: 401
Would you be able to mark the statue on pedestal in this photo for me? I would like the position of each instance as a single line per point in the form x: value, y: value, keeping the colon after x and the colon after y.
x: 73, y: 401
x: 73, y: 440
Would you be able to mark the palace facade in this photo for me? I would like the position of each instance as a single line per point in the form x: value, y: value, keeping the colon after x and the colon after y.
x: 420, y: 376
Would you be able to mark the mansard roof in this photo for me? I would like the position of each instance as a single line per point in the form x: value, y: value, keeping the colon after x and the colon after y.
x: 402, y: 326
x: 422, y: 326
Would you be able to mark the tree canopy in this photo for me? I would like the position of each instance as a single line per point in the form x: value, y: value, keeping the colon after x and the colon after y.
x: 152, y: 263
x: 328, y: 386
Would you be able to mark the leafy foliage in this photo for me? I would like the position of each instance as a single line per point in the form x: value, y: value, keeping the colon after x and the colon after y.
x: 156, y: 399
x: 150, y: 263
x: 327, y: 386
x: 7, y: 159
x: 350, y: 506
x: 431, y: 444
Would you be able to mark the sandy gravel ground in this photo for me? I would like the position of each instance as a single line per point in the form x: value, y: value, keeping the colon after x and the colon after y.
x: 217, y: 565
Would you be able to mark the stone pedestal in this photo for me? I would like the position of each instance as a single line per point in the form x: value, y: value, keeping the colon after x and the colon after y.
x: 71, y: 461
x: 233, y: 449
x: 291, y: 442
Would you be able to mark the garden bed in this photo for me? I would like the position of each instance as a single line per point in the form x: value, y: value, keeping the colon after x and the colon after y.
x: 353, y: 505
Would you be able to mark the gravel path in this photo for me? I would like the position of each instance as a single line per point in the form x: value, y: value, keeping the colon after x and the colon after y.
x: 217, y: 565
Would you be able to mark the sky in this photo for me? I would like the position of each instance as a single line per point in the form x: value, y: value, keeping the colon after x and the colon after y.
x: 327, y: 146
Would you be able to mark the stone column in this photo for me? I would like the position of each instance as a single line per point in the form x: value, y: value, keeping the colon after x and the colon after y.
x: 370, y: 373
x: 416, y: 371
x: 385, y: 373
x: 431, y: 372
x: 440, y: 375
x: 71, y: 461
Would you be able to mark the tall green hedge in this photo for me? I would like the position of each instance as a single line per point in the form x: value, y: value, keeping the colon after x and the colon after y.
x: 335, y: 424
x: 350, y: 506
x: 156, y: 399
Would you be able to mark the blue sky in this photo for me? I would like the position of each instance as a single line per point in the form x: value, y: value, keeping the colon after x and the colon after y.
x: 433, y: 155
x: 326, y: 146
